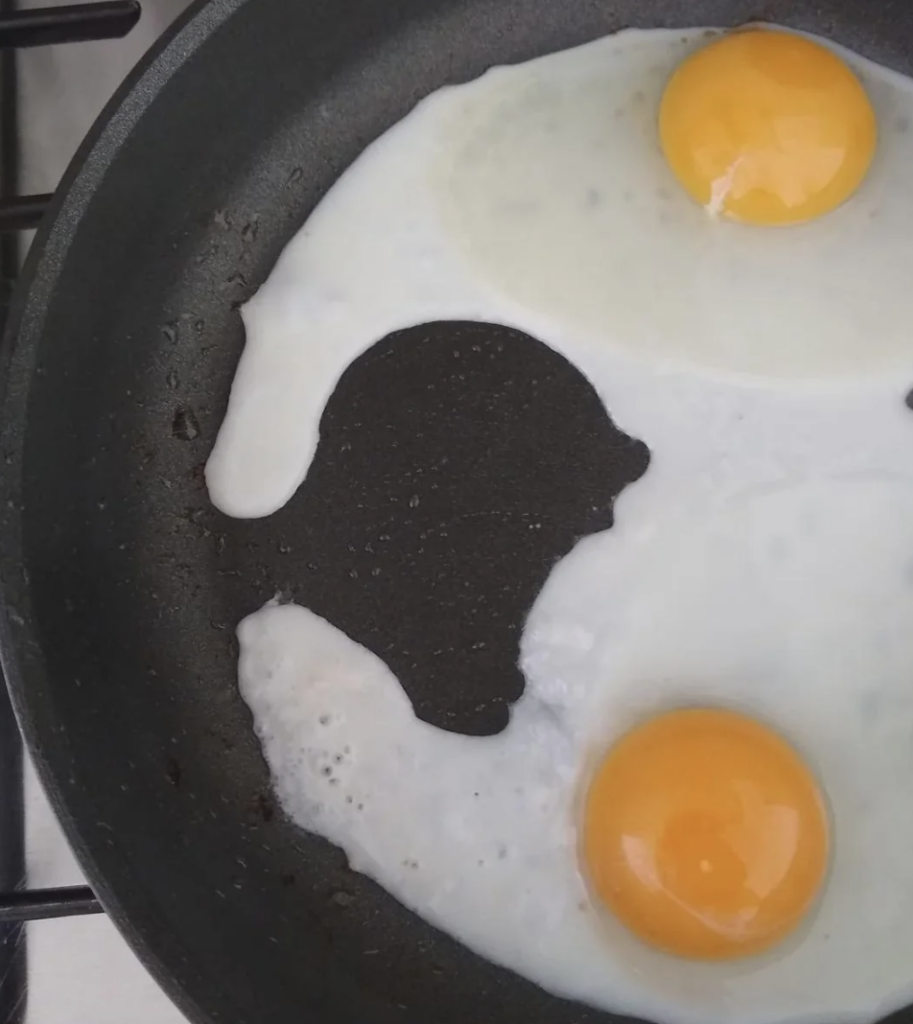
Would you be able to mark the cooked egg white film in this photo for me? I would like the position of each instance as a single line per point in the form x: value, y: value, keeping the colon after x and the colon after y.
x: 537, y: 196
x: 763, y: 562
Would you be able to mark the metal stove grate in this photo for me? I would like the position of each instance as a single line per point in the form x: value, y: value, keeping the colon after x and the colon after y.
x: 39, y: 27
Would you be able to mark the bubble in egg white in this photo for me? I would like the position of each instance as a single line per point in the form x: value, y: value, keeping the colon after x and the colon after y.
x: 762, y: 562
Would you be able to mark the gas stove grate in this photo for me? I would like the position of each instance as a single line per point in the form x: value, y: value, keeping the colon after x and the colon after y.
x: 40, y: 27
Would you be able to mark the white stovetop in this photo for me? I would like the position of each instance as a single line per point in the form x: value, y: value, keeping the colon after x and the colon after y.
x: 80, y: 970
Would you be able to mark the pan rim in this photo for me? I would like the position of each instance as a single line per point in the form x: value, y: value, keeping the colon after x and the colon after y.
x: 21, y: 659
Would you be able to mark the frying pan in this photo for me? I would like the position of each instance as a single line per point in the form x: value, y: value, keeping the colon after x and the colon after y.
x: 121, y: 585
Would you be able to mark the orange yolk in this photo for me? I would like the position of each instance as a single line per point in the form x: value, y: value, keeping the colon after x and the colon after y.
x: 766, y: 127
x: 705, y: 834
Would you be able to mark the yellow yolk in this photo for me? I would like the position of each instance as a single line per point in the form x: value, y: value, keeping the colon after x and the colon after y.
x: 767, y: 128
x: 705, y: 834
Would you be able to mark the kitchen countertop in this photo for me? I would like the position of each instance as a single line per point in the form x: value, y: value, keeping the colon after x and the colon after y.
x: 80, y: 970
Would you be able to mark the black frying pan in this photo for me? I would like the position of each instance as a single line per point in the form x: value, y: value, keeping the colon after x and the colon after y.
x: 122, y: 585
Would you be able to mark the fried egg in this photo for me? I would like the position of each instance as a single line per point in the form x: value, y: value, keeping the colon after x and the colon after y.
x: 767, y: 604
x: 538, y: 197
x: 743, y: 626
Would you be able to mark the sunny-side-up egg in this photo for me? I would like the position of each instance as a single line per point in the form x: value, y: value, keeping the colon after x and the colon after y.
x: 698, y: 811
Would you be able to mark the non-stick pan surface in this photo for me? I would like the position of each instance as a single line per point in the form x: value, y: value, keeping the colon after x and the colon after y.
x: 122, y: 585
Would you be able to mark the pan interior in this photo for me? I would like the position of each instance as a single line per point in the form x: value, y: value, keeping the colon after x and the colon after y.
x: 122, y: 585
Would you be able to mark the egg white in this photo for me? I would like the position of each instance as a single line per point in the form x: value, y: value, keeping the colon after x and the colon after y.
x: 788, y: 603
x: 763, y: 561
x: 456, y: 214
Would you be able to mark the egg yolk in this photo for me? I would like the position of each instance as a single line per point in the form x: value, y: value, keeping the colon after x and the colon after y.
x: 705, y: 834
x: 767, y: 128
